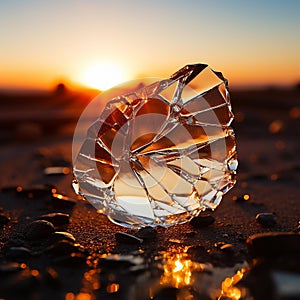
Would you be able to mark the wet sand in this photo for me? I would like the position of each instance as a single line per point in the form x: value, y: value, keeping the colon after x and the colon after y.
x: 267, y: 129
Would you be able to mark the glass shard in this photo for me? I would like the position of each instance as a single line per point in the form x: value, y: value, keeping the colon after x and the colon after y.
x: 162, y: 153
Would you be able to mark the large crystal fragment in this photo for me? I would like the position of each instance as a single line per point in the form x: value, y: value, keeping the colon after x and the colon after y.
x: 161, y: 154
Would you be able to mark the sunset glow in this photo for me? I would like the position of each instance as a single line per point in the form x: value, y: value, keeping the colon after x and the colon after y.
x: 102, y: 76
x: 37, y: 52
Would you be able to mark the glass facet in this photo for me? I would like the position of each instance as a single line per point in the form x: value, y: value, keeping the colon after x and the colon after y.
x: 161, y: 154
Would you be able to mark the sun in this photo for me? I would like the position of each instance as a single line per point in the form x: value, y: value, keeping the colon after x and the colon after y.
x: 102, y: 76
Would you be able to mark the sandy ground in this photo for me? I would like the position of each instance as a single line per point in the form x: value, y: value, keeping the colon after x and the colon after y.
x: 267, y: 128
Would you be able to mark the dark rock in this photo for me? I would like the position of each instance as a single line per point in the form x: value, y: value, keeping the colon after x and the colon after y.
x: 274, y: 244
x: 64, y: 247
x: 266, y: 219
x: 51, y: 171
x: 202, y: 221
x: 72, y: 260
x: 35, y: 191
x: 115, y: 261
x: 61, y: 235
x: 20, y: 283
x: 147, y: 233
x: 169, y: 293
x: 13, y: 243
x: 190, y: 234
x: 228, y: 249
x: 298, y: 228
x: 11, y: 267
x: 3, y: 219
x: 40, y: 229
x: 57, y: 219
x: 62, y: 201
x: 241, y: 199
x: 218, y: 245
x: 18, y: 252
x: 122, y: 237
x: 198, y: 253
x: 10, y: 189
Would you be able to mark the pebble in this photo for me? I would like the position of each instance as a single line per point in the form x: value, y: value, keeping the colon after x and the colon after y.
x: 40, y: 229
x: 62, y: 235
x: 274, y: 244
x: 3, y: 219
x: 228, y: 249
x: 51, y: 171
x: 202, y: 221
x: 21, y: 283
x: 147, y: 233
x: 198, y: 253
x: 11, y: 267
x: 18, y: 252
x: 169, y: 293
x: 298, y: 228
x: 122, y: 237
x: 71, y: 260
x: 266, y: 219
x: 190, y: 234
x: 62, y: 201
x: 65, y: 247
x: 34, y: 192
x: 115, y: 261
x: 218, y: 245
x: 57, y: 219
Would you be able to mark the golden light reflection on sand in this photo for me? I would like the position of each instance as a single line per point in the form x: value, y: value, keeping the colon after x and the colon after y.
x: 178, y: 270
x: 229, y: 288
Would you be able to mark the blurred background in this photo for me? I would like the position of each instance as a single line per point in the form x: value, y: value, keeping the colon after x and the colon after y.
x: 254, y: 43
x: 56, y: 56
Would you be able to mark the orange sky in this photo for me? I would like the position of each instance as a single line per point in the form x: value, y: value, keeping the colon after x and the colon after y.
x: 252, y: 43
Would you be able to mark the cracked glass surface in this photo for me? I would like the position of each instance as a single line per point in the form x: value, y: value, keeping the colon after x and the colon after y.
x: 161, y: 154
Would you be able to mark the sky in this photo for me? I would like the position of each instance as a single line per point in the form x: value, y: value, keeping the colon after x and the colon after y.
x: 254, y: 43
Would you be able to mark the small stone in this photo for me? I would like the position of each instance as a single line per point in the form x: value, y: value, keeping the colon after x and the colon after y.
x: 122, y: 237
x: 62, y: 201
x: 20, y: 283
x: 40, y: 229
x: 227, y: 248
x: 10, y: 189
x: 38, y: 191
x: 147, y: 233
x: 297, y: 230
x: 57, y: 219
x: 202, y: 221
x: 274, y: 244
x: 169, y: 293
x: 18, y: 252
x: 190, y: 234
x: 11, y: 267
x: 3, y: 219
x: 64, y: 247
x: 266, y: 219
x: 218, y: 245
x: 198, y: 253
x: 61, y: 235
x: 72, y: 260
x: 51, y: 171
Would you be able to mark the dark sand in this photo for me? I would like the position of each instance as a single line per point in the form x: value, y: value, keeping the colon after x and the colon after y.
x: 36, y: 132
